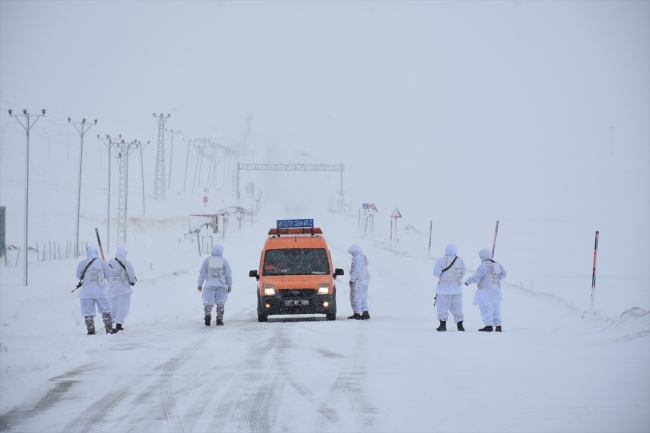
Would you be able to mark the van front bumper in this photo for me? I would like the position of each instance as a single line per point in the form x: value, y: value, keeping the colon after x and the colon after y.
x: 279, y: 305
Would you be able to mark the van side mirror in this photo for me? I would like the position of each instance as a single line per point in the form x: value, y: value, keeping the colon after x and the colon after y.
x: 338, y: 271
x: 253, y: 273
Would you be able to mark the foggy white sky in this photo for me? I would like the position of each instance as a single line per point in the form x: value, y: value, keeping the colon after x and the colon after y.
x: 464, y: 110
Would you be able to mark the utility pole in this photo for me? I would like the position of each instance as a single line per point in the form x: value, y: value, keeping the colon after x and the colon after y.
x: 199, y: 156
x: 172, y: 134
x: 141, y: 147
x: 159, y: 182
x: 109, y: 143
x: 29, y: 123
x: 205, y: 142
x: 187, y: 157
x: 81, y: 127
x: 124, y: 150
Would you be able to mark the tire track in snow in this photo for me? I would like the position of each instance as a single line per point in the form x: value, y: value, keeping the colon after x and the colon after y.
x: 349, y: 385
x: 257, y: 405
x: 96, y: 415
x: 167, y: 398
x: 322, y: 408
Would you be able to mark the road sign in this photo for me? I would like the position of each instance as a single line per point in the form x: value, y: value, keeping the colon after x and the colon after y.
x: 240, y: 215
x: 285, y: 224
x: 366, y: 206
x: 396, y: 214
x: 205, y: 199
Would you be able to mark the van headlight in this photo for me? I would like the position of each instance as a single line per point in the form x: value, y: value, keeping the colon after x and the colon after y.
x: 269, y: 289
x: 323, y: 289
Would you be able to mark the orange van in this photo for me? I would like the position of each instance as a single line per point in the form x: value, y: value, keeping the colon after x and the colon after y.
x: 295, y: 275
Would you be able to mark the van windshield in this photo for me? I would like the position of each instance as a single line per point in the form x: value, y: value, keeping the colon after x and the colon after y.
x: 296, y: 261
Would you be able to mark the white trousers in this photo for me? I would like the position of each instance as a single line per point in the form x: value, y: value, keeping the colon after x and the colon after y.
x: 120, y: 306
x: 214, y: 295
x: 90, y: 306
x: 491, y: 314
x: 359, y: 296
x: 444, y: 303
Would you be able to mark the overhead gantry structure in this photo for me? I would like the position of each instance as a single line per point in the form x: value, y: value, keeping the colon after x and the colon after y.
x: 289, y: 167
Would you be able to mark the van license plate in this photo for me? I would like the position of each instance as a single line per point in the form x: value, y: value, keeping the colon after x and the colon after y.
x: 295, y: 303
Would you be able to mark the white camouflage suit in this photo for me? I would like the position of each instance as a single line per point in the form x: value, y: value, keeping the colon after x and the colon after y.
x: 359, y: 279
x: 119, y: 291
x: 449, y: 292
x: 217, y: 275
x: 488, y: 297
x: 92, y: 296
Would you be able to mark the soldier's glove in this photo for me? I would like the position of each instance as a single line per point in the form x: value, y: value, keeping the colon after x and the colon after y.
x: 199, y: 288
x: 229, y: 289
x: 467, y: 284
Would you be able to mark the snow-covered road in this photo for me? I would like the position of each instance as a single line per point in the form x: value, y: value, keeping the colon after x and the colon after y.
x: 554, y: 368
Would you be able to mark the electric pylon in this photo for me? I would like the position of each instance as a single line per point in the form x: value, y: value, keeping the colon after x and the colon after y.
x: 123, y: 152
x: 159, y: 182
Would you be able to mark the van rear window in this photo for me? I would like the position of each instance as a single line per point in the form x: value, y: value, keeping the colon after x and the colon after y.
x: 296, y: 261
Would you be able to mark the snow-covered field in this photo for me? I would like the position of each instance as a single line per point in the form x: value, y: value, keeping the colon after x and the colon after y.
x: 556, y: 366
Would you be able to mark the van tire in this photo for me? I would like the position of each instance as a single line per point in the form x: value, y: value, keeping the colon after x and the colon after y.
x: 262, y: 318
x: 331, y: 316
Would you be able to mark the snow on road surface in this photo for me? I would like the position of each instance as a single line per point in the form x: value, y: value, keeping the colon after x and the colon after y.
x: 554, y: 368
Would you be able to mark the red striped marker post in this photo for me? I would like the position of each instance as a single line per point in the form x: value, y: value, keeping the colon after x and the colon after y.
x: 593, y: 275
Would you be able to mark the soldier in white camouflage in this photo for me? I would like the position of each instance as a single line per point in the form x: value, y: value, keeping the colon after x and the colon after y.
x: 119, y: 292
x: 94, y: 271
x: 488, y: 297
x: 217, y: 275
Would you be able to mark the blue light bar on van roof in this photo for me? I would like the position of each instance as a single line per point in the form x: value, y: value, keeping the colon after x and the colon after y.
x: 288, y: 224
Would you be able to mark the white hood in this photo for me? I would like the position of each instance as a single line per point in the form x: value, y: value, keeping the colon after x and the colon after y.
x: 217, y: 250
x: 485, y: 254
x: 451, y: 250
x: 92, y: 252
x: 121, y: 253
x: 355, y: 250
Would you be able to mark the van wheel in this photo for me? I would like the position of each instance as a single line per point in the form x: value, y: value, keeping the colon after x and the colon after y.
x: 331, y: 316
x: 262, y: 318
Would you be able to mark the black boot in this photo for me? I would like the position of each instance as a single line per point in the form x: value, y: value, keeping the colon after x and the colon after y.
x: 208, y: 318
x: 460, y: 327
x: 118, y: 327
x: 355, y: 316
x: 498, y: 329
x: 365, y: 316
x: 219, y: 322
x: 442, y: 327
x: 486, y: 329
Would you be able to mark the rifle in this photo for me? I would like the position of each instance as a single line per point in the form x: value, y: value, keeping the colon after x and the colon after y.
x: 101, y: 250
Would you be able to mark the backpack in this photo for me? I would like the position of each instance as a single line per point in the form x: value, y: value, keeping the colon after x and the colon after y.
x: 215, y: 269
